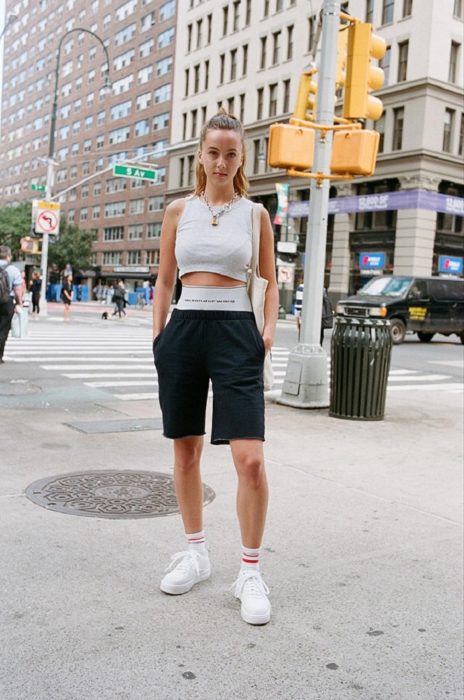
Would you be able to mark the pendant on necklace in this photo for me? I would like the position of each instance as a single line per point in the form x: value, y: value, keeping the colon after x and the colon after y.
x: 215, y: 220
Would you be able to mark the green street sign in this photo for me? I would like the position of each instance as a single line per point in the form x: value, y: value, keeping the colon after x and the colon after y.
x: 135, y: 171
x: 39, y: 188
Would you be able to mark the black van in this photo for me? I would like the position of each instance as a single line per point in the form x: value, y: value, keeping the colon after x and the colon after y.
x: 423, y: 305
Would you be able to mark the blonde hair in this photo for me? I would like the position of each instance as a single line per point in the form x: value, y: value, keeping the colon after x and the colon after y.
x: 222, y: 120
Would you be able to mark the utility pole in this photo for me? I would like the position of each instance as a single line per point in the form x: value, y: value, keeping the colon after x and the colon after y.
x: 306, y: 380
x: 50, y: 160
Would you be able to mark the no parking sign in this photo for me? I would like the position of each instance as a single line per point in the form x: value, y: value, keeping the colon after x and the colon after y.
x: 47, y: 217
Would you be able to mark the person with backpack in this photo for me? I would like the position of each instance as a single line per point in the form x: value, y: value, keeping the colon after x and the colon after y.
x: 11, y: 293
x: 119, y: 299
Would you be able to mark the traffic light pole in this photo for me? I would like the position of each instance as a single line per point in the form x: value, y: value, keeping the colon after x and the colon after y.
x: 306, y: 379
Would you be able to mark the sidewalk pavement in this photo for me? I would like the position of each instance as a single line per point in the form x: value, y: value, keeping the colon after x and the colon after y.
x: 362, y: 555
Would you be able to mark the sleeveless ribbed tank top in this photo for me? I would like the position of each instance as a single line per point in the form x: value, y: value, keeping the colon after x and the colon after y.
x: 224, y: 249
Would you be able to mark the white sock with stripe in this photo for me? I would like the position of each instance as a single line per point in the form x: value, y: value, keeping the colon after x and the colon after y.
x: 196, y: 541
x: 250, y: 558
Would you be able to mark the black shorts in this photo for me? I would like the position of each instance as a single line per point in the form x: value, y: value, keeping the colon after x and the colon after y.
x: 224, y: 347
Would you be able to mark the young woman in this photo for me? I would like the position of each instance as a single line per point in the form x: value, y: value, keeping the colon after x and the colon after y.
x: 66, y: 296
x: 35, y: 285
x: 212, y: 335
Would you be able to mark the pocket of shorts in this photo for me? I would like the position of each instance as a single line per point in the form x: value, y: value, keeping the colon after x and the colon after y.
x: 157, y: 339
x: 262, y: 347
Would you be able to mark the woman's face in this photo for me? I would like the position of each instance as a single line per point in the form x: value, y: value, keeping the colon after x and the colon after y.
x: 221, y: 155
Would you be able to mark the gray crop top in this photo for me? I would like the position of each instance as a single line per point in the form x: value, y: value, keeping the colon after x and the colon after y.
x: 224, y: 249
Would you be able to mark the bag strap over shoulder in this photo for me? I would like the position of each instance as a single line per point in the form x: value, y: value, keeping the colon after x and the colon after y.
x: 256, y: 235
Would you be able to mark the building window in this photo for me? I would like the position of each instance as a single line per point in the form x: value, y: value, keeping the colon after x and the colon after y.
x: 111, y: 258
x: 113, y: 233
x: 241, y: 108
x: 256, y: 154
x: 153, y: 257
x: 135, y: 231
x: 248, y: 13
x: 312, y: 24
x: 156, y: 203
x: 286, y: 101
x: 461, y: 137
x: 209, y: 25
x: 244, y: 60
x: 181, y: 171
x: 184, y: 126
x: 384, y: 64
x: 273, y: 100
x: 403, y: 49
x: 370, y: 11
x: 398, y: 120
x: 289, y: 43
x: 187, y: 75
x: 196, y: 79
x: 387, y: 11
x: 279, y: 5
x: 380, y: 128
x: 453, y: 64
x: 260, y: 100
x: 276, y: 47
x: 225, y: 20
x: 266, y: 8
x: 458, y: 9
x: 154, y: 230
x: 206, y: 74
x: 262, y: 63
x: 222, y: 65
x: 448, y: 128
x: 136, y: 206
x: 189, y: 37
x: 233, y: 64
x: 190, y: 163
x: 407, y: 8
x: 194, y: 123
x: 199, y: 33
x: 134, y: 257
x: 231, y: 105
x: 236, y: 19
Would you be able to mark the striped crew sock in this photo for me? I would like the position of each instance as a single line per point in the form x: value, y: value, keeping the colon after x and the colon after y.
x: 196, y: 541
x: 250, y: 558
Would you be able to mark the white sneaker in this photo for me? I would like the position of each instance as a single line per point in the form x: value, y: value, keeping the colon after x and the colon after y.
x: 185, y: 570
x: 252, y: 591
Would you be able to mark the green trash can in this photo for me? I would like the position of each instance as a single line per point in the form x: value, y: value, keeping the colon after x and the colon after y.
x: 360, y: 353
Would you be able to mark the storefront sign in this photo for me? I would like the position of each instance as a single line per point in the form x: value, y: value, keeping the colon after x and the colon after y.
x: 132, y: 268
x: 450, y: 265
x: 387, y: 201
x: 371, y: 261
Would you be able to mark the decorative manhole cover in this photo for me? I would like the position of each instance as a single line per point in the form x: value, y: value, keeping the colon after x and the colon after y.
x: 110, y: 494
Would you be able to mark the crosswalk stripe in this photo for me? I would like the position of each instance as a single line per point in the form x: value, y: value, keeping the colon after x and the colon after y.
x: 102, y: 385
x: 108, y: 375
x: 454, y: 387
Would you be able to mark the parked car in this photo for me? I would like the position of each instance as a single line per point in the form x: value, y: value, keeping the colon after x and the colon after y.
x: 423, y: 305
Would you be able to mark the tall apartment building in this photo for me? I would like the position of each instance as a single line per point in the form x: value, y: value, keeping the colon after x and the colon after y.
x: 93, y: 130
x: 247, y: 55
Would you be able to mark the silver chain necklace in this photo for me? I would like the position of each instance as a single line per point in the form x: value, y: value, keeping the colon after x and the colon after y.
x: 223, y: 210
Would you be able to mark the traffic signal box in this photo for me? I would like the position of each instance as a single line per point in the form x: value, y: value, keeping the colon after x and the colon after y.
x: 361, y: 76
x: 354, y: 152
x: 290, y: 146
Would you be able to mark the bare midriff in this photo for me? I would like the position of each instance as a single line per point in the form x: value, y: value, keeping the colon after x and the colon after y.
x: 210, y: 279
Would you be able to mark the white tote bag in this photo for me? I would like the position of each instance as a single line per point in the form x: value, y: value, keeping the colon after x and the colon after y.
x: 257, y: 290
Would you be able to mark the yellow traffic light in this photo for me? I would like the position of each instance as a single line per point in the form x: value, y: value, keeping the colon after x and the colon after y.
x: 305, y: 107
x: 290, y: 146
x: 361, y: 77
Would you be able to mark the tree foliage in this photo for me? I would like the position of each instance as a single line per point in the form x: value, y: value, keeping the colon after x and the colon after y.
x: 73, y: 246
x: 15, y: 223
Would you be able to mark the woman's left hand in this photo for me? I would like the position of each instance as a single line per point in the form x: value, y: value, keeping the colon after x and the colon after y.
x: 267, y: 340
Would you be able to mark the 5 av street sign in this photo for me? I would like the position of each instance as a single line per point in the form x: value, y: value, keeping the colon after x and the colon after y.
x: 135, y: 171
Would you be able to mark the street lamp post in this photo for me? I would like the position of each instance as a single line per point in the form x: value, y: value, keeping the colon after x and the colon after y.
x: 11, y: 18
x: 51, y: 148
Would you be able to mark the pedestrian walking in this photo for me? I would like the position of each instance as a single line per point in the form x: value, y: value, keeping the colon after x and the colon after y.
x: 66, y: 296
x: 11, y: 293
x: 119, y: 299
x: 35, y: 286
x: 212, y: 335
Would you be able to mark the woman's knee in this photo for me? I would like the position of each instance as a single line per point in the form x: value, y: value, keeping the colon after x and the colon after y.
x: 187, y: 454
x: 251, y: 471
